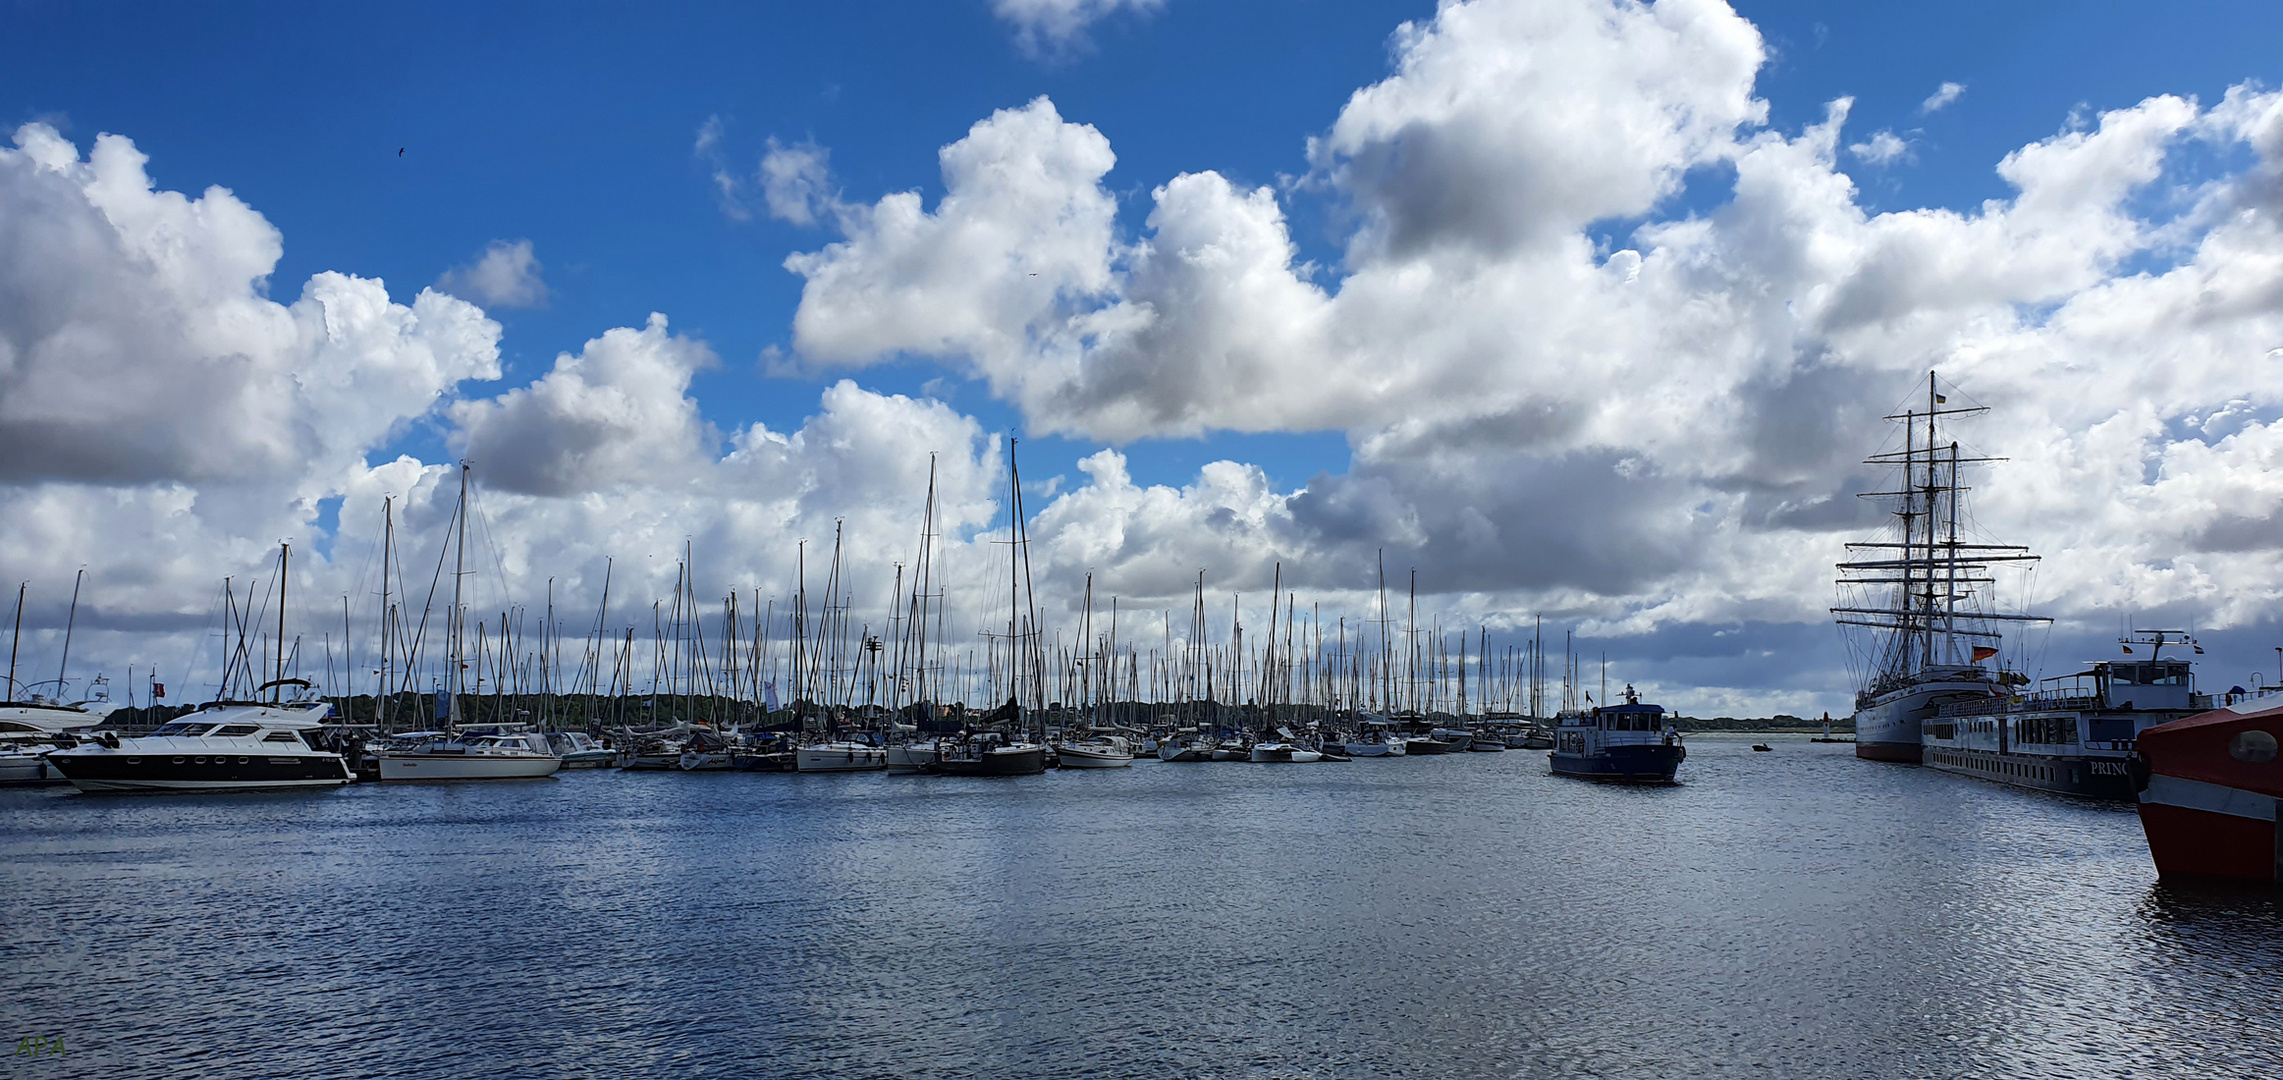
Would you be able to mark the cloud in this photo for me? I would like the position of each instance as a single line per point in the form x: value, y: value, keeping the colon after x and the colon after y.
x: 795, y: 180
x: 1708, y: 387
x: 617, y: 413
x: 729, y: 188
x: 1942, y: 97
x: 1053, y: 28
x: 505, y: 275
x: 1023, y: 232
x: 1882, y: 148
x: 138, y: 343
x: 1634, y: 412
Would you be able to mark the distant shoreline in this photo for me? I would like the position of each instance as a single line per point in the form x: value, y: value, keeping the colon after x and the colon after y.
x: 1772, y: 725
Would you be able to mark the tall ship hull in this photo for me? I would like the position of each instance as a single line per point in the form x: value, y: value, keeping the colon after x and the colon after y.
x: 1891, y: 726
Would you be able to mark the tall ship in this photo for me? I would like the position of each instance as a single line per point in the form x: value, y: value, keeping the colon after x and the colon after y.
x: 1917, y: 601
x: 2076, y: 733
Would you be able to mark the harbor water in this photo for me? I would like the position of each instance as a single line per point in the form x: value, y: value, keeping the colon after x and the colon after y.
x: 1797, y: 913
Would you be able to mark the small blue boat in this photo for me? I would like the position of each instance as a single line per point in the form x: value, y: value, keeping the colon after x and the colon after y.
x: 1629, y: 743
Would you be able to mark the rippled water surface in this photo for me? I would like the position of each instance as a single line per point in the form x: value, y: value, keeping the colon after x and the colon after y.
x: 1787, y: 914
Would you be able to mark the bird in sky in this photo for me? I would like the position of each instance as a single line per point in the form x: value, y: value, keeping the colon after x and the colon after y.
x: 400, y: 151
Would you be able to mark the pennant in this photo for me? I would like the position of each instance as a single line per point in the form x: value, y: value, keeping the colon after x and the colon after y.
x: 769, y: 696
x: 1983, y: 652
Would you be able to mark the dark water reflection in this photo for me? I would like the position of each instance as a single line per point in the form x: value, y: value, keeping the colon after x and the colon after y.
x: 1783, y: 915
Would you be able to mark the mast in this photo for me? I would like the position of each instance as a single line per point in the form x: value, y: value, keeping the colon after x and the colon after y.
x: 455, y: 680
x: 18, y: 639
x: 388, y: 614
x: 284, y: 551
x: 73, y: 620
x: 1930, y: 571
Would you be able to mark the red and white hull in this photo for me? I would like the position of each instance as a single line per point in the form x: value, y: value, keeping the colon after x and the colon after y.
x: 2213, y: 794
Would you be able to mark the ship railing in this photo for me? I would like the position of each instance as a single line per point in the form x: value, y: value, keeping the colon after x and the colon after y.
x: 2020, y: 703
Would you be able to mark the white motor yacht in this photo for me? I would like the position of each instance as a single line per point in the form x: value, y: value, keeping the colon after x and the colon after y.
x: 225, y: 745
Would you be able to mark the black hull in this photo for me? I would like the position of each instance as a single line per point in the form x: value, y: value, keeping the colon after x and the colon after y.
x: 1025, y: 762
x: 1622, y: 764
x: 2106, y: 779
x: 119, y: 771
x: 1416, y: 747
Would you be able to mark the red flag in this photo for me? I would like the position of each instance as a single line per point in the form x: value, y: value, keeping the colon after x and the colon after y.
x: 1983, y: 652
x: 158, y: 690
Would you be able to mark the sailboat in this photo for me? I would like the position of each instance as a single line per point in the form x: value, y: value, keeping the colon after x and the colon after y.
x: 1920, y: 593
x: 460, y: 752
x: 32, y: 727
x: 1007, y: 748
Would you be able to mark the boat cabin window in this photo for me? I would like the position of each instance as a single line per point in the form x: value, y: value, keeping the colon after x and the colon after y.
x: 281, y: 736
x: 182, y: 730
x: 2150, y: 674
x: 239, y: 729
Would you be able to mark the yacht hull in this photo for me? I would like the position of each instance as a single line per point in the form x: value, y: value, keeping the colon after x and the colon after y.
x: 1083, y: 757
x: 192, y: 772
x: 1652, y: 764
x: 1003, y: 761
x: 470, y: 767
x: 26, y: 770
x: 905, y: 758
x: 840, y: 757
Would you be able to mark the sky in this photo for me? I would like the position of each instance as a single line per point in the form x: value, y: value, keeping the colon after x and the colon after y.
x: 1578, y: 309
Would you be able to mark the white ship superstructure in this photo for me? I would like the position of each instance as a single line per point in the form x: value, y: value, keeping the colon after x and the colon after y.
x: 1923, y: 593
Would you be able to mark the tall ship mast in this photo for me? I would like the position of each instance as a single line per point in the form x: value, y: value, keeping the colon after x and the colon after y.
x: 1916, y: 602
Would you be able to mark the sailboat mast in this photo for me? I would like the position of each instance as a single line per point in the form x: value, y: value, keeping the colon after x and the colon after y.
x: 73, y: 619
x: 453, y: 678
x: 18, y: 639
x: 284, y: 577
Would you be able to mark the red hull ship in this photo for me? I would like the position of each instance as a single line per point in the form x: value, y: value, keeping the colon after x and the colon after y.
x: 2210, y: 786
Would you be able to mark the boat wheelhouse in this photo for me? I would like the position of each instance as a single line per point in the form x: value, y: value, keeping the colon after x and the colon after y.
x: 1629, y: 743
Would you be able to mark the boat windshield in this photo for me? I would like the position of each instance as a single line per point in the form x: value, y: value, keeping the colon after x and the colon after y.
x: 182, y: 730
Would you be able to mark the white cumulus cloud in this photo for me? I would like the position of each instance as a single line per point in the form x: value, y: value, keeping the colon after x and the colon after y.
x: 505, y: 275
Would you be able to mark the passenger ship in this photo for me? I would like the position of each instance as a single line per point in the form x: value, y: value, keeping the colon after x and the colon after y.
x: 1922, y: 592
x: 1628, y: 743
x: 2077, y: 736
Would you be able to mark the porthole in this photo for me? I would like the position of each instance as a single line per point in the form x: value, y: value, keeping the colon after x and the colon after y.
x: 241, y: 761
x: 198, y: 761
x: 134, y: 761
x: 178, y: 761
x: 2254, y: 746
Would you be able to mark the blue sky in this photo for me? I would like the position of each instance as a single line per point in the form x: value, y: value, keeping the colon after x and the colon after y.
x: 576, y: 128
